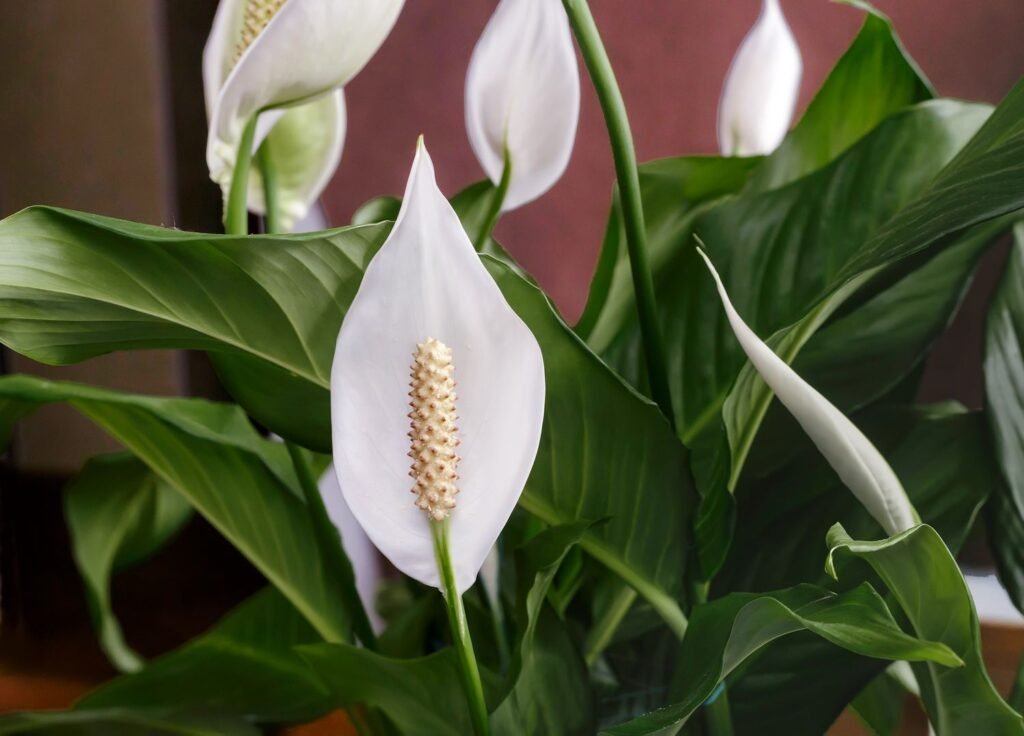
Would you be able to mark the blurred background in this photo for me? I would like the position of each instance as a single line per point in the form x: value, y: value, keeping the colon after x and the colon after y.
x: 101, y: 109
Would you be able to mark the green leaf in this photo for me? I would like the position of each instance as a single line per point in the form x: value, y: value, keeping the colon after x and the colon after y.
x: 549, y: 681
x: 879, y: 706
x: 122, y: 723
x: 422, y: 696
x: 941, y: 455
x: 76, y: 285
x: 1004, y: 396
x: 118, y: 513
x: 605, y: 453
x: 673, y: 190
x: 872, y: 80
x: 726, y: 632
x: 243, y: 485
x: 924, y: 578
x: 245, y: 666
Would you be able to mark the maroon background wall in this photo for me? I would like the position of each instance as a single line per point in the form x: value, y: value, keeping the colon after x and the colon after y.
x: 671, y: 57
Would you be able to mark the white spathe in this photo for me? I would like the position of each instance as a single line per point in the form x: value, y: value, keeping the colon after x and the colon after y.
x: 427, y: 281
x: 523, y: 92
x: 858, y: 463
x: 360, y: 550
x: 761, y: 88
x: 300, y: 61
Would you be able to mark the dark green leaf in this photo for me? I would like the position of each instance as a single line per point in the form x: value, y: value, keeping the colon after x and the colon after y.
x: 240, y: 482
x: 1004, y: 396
x: 725, y: 632
x: 879, y: 706
x: 244, y: 666
x: 122, y: 723
x: 118, y: 513
x: 922, y: 575
x: 421, y: 696
x: 605, y: 453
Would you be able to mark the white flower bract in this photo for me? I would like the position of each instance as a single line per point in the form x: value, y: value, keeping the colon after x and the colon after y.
x: 761, y: 87
x: 289, y: 69
x: 427, y: 281
x: 523, y: 92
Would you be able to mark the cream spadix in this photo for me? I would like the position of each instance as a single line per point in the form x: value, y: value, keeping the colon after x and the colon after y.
x: 761, y: 87
x: 429, y: 341
x: 523, y: 93
x: 858, y: 463
x: 267, y: 55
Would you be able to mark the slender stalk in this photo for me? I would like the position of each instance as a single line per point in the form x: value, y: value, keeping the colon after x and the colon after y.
x: 329, y: 540
x: 494, y: 212
x: 601, y: 634
x: 236, y: 213
x: 270, y: 199
x: 717, y: 715
x: 600, y: 69
x: 460, y: 631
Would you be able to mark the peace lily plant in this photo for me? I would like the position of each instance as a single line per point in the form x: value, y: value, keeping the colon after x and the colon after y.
x: 628, y: 534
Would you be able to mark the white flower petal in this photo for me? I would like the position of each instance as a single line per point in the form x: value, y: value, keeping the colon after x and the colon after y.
x: 490, y: 578
x: 314, y: 221
x: 357, y: 546
x: 857, y: 462
x: 761, y: 88
x: 523, y: 90
x: 305, y: 145
x: 309, y: 48
x: 427, y: 281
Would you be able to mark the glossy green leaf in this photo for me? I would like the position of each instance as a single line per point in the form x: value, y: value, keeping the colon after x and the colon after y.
x: 422, y: 696
x: 550, y: 690
x: 1004, y: 396
x: 922, y: 575
x: 241, y: 483
x: 75, y: 285
x: 122, y: 722
x: 879, y: 706
x: 245, y: 666
x: 725, y: 632
x: 872, y: 80
x: 118, y: 513
x: 940, y: 453
x: 605, y: 453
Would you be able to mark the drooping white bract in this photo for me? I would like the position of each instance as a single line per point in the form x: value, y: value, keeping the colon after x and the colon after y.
x: 857, y: 462
x: 267, y: 55
x: 523, y: 92
x: 761, y: 88
x: 360, y: 550
x: 425, y: 293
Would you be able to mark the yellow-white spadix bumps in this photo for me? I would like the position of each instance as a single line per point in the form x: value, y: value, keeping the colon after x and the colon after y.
x: 523, y: 94
x: 761, y: 88
x: 858, y: 463
x: 286, y: 61
x: 431, y: 357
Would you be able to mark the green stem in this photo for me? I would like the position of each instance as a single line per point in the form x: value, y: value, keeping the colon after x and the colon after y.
x: 717, y: 715
x: 600, y: 69
x: 236, y: 211
x: 329, y: 540
x: 601, y: 635
x: 460, y: 630
x: 494, y: 212
x: 270, y: 199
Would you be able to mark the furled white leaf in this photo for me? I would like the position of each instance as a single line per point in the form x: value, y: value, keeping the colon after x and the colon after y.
x: 427, y: 281
x: 761, y: 88
x: 523, y: 92
x: 857, y: 462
